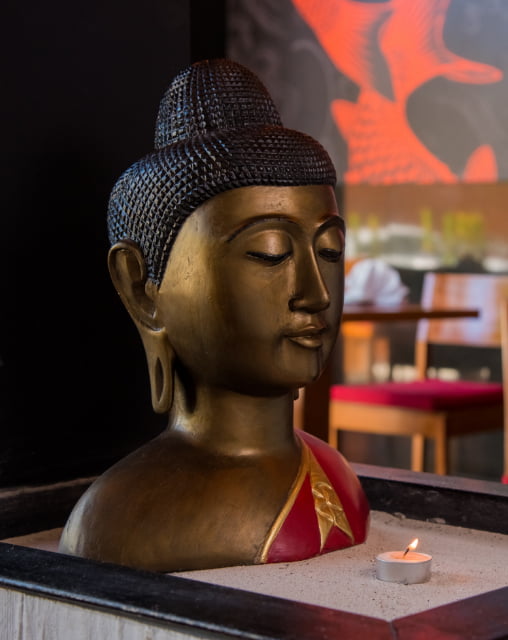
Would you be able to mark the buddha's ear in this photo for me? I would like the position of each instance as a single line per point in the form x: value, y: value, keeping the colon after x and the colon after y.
x: 128, y: 272
x: 127, y: 269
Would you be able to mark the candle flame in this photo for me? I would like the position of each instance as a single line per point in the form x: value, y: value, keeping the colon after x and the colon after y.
x: 411, y: 546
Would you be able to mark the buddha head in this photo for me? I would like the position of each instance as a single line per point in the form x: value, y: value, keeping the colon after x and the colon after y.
x: 227, y: 251
x: 226, y: 243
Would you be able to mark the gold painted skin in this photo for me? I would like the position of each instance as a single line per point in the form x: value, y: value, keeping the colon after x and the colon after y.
x: 247, y: 312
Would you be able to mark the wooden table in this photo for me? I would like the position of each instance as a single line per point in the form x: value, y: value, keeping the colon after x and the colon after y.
x: 402, y: 313
x: 315, y: 405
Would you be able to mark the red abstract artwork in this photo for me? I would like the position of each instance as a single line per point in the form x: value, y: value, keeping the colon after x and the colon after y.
x: 390, y: 49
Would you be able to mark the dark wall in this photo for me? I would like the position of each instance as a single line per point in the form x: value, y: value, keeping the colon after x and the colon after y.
x: 80, y: 94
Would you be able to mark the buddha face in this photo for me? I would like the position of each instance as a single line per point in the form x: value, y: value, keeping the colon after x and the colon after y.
x: 252, y: 293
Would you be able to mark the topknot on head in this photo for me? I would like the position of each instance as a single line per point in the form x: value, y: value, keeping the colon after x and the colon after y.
x: 213, y: 95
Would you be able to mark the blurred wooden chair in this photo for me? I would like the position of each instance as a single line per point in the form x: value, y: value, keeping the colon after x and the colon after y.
x: 432, y: 408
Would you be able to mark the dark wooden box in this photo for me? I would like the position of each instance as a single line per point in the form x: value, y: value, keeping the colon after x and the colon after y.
x: 198, y: 609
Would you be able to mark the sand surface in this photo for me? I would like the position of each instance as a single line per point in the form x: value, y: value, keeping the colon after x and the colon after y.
x: 465, y: 563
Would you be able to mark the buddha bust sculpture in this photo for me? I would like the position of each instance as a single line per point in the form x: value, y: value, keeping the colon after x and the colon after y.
x: 227, y: 251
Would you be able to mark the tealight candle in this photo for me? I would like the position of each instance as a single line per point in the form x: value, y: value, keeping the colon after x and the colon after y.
x: 405, y: 567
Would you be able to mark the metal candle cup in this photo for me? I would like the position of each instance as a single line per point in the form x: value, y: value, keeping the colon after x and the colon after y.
x: 407, y: 567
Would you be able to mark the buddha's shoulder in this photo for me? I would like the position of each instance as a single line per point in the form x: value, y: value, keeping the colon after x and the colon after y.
x: 151, y: 503
x: 122, y: 496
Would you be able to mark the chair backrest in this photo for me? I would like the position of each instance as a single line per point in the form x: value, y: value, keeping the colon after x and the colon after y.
x: 485, y: 292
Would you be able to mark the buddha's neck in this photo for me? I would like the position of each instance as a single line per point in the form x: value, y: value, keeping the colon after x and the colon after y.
x: 235, y: 424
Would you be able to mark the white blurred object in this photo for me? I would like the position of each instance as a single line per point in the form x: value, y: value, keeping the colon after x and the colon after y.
x: 374, y: 281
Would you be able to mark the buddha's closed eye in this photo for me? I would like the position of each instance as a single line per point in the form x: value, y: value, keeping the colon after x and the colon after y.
x: 270, y: 259
x: 331, y: 255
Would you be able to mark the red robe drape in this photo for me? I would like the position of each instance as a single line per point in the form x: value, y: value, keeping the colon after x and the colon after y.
x: 326, y: 510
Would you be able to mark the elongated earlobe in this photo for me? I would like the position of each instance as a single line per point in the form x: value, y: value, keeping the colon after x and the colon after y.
x: 160, y: 358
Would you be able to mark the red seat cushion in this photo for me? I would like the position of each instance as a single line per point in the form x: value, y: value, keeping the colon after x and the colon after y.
x: 426, y: 395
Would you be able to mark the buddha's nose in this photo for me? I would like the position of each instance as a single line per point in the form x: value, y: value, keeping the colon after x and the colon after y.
x: 311, y: 293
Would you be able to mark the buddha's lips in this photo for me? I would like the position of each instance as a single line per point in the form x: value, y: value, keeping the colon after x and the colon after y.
x: 310, y: 337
